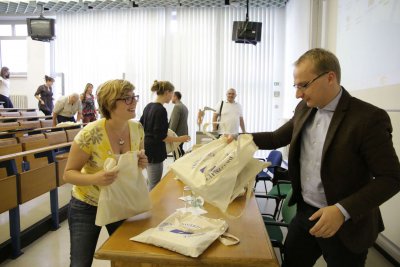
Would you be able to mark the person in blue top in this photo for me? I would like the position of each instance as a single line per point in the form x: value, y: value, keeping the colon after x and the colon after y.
x: 155, y: 124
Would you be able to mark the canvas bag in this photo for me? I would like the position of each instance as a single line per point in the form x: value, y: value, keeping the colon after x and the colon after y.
x: 218, y: 171
x: 187, y: 234
x: 172, y: 147
x: 127, y: 195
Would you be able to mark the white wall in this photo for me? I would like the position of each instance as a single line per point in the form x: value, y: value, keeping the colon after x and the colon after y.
x: 374, y: 26
x: 38, y: 67
x: 297, y: 41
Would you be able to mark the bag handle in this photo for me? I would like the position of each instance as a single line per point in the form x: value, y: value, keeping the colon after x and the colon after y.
x: 220, y: 114
x: 228, y: 239
x: 205, y: 126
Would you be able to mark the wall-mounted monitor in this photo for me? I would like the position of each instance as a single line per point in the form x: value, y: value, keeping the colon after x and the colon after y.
x: 247, y: 32
x: 41, y: 29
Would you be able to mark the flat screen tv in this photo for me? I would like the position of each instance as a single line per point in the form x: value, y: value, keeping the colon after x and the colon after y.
x: 247, y: 32
x: 41, y: 29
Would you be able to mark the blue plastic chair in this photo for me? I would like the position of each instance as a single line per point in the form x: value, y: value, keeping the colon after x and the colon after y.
x: 275, y: 157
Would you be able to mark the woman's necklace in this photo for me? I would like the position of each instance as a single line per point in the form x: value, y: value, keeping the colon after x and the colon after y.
x: 121, y: 141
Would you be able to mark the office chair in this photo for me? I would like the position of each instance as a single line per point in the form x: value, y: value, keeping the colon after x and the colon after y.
x: 275, y: 157
x: 273, y: 226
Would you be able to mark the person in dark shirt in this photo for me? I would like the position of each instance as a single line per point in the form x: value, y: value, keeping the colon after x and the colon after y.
x: 155, y: 124
x: 44, y: 94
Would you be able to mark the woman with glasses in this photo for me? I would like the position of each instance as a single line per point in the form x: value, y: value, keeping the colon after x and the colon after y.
x: 155, y: 123
x: 113, y: 135
x: 89, y: 113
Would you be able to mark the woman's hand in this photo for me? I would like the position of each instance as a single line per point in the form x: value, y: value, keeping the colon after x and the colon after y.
x: 104, y: 178
x: 41, y: 101
x: 142, y: 159
x: 184, y: 138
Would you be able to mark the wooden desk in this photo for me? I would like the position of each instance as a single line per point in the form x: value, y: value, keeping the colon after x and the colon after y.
x: 254, y: 248
x: 26, y: 118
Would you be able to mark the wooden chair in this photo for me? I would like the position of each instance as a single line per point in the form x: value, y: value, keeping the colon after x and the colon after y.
x: 8, y: 141
x: 34, y: 162
x: 8, y: 183
x: 5, y: 126
x: 61, y: 159
x: 11, y: 149
x: 71, y: 133
x: 10, y: 114
x: 29, y: 124
x: 30, y: 138
x: 41, y: 177
x: 8, y: 193
x: 46, y: 123
x: 28, y: 113
x: 56, y: 137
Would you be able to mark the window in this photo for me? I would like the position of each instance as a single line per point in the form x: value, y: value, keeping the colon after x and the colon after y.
x: 13, y: 46
x: 21, y: 30
x: 5, y: 30
x: 13, y: 55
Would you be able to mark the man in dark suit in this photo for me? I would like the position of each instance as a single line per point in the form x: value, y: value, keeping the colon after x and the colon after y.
x: 342, y: 164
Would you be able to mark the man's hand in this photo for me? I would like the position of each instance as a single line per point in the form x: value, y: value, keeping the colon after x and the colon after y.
x: 330, y: 220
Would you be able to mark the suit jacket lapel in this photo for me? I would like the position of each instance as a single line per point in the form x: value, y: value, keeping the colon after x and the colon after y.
x: 337, y: 118
x: 309, y: 112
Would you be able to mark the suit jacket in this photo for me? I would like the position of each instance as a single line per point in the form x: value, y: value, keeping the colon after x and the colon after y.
x: 359, y: 166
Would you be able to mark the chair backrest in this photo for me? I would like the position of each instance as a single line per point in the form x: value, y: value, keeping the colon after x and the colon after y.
x: 30, y: 138
x: 29, y: 124
x: 8, y: 141
x: 10, y: 114
x: 275, y: 157
x: 5, y: 126
x: 11, y: 149
x: 71, y: 133
x: 288, y: 212
x: 56, y: 137
x: 46, y: 123
x: 28, y: 113
x: 34, y: 162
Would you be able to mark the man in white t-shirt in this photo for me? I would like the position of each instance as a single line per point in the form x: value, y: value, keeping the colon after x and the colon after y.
x: 230, y: 115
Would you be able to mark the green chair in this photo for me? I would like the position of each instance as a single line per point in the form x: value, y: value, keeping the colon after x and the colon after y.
x: 273, y: 226
x: 281, y: 186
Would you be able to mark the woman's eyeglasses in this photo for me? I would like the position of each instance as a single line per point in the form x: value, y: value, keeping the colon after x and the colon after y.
x: 129, y: 99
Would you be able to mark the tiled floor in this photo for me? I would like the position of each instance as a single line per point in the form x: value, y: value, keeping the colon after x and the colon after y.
x: 52, y: 250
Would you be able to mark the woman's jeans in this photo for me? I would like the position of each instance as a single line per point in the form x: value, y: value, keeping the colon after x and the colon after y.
x: 84, y: 233
x: 154, y: 173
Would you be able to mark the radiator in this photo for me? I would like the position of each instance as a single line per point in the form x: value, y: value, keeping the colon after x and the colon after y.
x: 19, y: 101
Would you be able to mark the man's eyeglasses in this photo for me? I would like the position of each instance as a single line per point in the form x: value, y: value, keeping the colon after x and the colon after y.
x: 129, y: 99
x: 307, y: 84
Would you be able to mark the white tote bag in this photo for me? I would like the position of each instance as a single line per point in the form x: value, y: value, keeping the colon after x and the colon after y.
x: 172, y: 147
x: 187, y: 234
x: 127, y: 195
x: 218, y: 171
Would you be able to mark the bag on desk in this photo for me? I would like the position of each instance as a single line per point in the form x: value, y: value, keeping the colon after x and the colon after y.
x: 218, y: 171
x: 127, y: 195
x: 187, y: 234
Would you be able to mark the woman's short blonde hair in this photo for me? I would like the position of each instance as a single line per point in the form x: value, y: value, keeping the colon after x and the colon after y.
x: 109, y: 92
